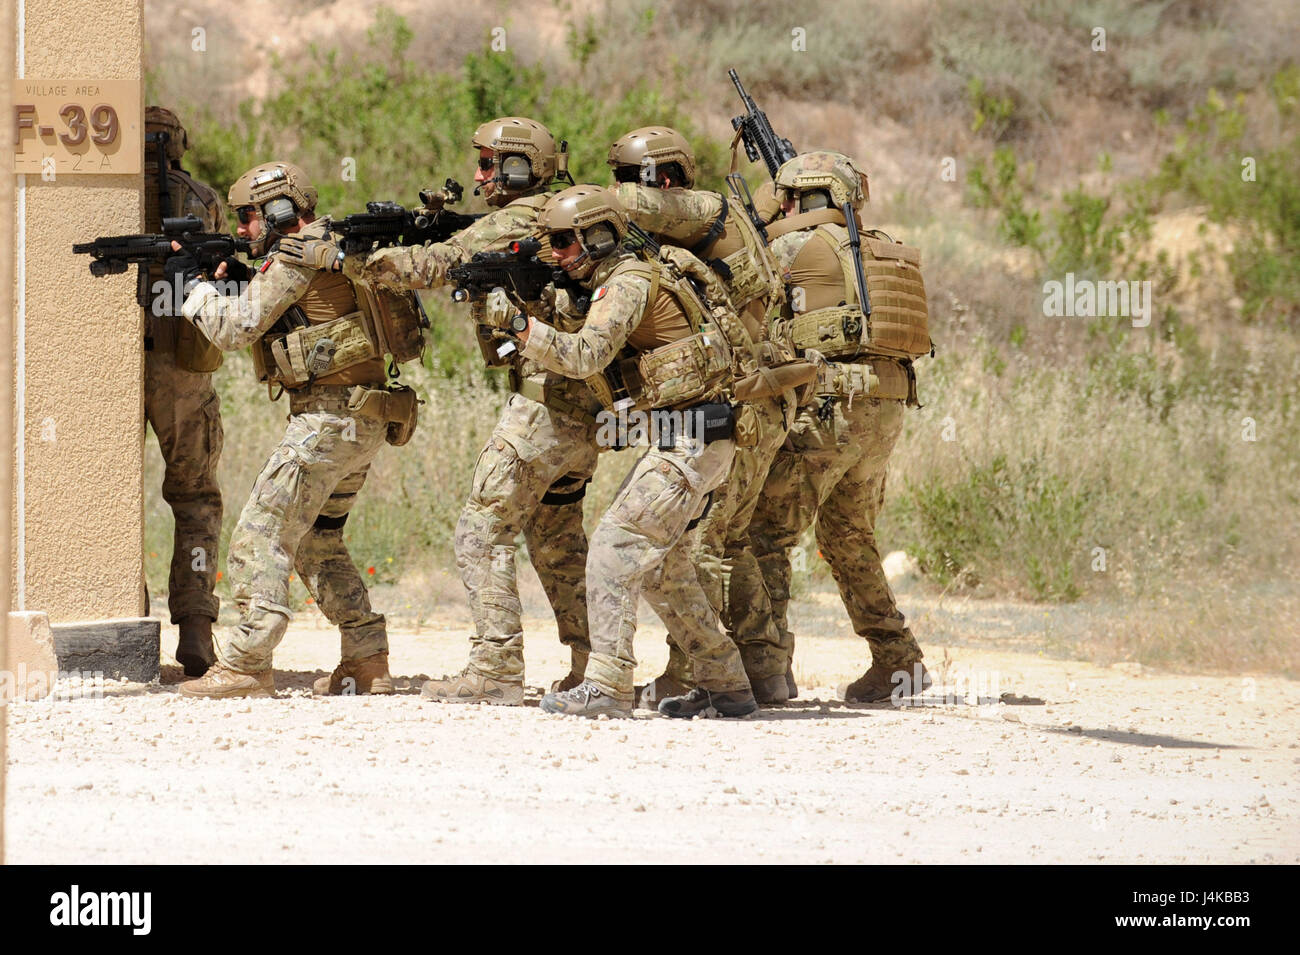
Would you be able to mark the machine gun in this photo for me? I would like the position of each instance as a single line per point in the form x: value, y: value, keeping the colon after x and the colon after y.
x: 388, y: 223
x: 201, y: 252
x: 757, y: 133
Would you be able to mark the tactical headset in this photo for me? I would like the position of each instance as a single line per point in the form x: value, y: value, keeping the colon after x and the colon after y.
x: 279, y: 213
x: 515, y: 173
x: 814, y: 199
x: 599, y: 240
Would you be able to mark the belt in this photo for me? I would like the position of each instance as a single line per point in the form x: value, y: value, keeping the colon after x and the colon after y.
x: 333, y: 397
x: 536, y: 391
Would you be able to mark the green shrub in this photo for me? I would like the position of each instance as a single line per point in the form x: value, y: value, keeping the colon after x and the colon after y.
x: 999, y: 508
x: 397, y: 127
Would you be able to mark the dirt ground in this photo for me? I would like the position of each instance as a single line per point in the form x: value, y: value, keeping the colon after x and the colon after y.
x: 1014, y: 756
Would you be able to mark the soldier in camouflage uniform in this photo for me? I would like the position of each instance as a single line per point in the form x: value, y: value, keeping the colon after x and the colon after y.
x: 533, y: 472
x: 642, y: 313
x: 655, y: 170
x: 337, y: 423
x: 179, y: 401
x: 834, y: 465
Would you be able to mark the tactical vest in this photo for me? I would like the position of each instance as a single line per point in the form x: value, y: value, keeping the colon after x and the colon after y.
x: 762, y: 367
x: 676, y: 356
x: 192, y: 350
x: 745, y: 266
x: 831, y: 321
x: 330, y: 336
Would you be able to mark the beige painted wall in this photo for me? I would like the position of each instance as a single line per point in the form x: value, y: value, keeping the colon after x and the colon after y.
x: 82, y: 513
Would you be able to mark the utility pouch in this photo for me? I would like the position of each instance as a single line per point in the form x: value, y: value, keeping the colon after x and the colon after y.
x: 306, y: 354
x: 706, y: 423
x: 403, y: 414
x: 746, y: 282
x: 397, y: 320
x: 619, y: 385
x: 193, y: 350
x: 847, y: 381
x: 396, y: 405
x: 685, y: 369
x: 834, y: 332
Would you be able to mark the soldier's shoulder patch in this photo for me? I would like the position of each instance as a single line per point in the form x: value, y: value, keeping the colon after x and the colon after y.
x: 597, y: 295
x: 266, y: 264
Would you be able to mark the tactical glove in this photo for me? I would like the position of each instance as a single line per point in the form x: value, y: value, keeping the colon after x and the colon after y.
x: 499, y: 310
x: 322, y: 254
x: 182, y: 264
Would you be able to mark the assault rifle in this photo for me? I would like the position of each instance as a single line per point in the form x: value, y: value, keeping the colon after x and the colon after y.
x: 855, y: 242
x: 759, y: 138
x: 523, y: 276
x: 201, y: 252
x: 388, y: 223
x: 517, y: 269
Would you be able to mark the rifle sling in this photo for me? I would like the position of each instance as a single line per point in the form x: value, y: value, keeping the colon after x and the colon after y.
x: 700, y: 248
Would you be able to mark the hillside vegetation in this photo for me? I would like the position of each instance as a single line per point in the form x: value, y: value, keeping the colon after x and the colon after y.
x: 1056, y: 458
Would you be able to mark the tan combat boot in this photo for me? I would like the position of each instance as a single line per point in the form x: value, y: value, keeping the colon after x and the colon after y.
x: 771, y: 689
x: 577, y: 670
x: 699, y: 700
x: 585, y: 699
x: 223, y: 683
x: 470, y: 686
x: 194, y: 649
x: 649, y: 695
x: 357, y: 677
x: 886, y: 682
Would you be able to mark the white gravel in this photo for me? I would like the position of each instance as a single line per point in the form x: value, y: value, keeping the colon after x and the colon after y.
x: 1085, y: 763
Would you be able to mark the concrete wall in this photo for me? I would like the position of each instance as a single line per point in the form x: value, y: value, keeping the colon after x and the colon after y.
x: 79, y: 513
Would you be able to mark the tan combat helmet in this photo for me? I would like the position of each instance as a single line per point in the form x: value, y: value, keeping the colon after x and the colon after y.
x: 832, y: 173
x: 159, y: 119
x: 524, y: 155
x: 280, y: 191
x: 636, y: 155
x: 593, y: 213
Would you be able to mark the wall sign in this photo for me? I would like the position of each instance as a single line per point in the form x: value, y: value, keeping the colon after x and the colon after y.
x: 75, y: 127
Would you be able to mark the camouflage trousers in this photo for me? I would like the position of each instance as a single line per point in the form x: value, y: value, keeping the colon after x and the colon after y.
x: 529, y: 478
x: 640, y: 546
x: 831, y: 472
x: 185, y: 414
x: 721, y: 540
x: 294, y: 520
